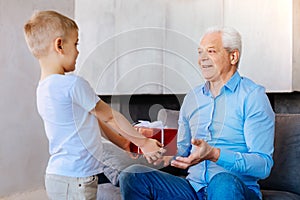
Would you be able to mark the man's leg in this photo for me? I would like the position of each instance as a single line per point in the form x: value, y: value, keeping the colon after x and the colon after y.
x: 140, y: 182
x: 226, y: 186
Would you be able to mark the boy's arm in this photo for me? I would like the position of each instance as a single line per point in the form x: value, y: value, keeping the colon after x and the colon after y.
x: 151, y: 147
x: 114, y: 136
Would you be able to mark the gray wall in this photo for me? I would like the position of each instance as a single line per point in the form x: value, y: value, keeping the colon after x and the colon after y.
x: 23, y: 145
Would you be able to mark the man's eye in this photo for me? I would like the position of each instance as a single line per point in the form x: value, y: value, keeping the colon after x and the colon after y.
x: 211, y: 51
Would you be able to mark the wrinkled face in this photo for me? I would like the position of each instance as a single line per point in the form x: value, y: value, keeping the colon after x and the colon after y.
x: 70, y: 51
x: 214, y: 60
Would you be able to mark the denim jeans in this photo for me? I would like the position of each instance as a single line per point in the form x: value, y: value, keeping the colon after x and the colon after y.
x: 69, y: 188
x: 138, y: 182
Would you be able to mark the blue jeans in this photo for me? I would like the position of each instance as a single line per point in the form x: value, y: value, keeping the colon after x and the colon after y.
x: 138, y: 182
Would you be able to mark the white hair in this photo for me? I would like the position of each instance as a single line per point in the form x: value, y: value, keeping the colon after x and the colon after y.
x: 231, y: 38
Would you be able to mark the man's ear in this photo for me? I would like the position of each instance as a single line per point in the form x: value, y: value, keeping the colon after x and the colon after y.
x: 234, y: 57
x: 58, y: 45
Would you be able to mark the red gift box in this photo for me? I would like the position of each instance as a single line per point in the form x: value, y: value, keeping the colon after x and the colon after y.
x: 169, y: 139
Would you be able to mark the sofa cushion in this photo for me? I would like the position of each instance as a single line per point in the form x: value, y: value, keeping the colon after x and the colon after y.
x: 279, y: 195
x: 108, y: 191
x: 168, y: 117
x: 285, y: 174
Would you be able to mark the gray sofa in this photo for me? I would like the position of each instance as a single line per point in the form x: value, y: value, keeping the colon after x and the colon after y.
x: 283, y: 182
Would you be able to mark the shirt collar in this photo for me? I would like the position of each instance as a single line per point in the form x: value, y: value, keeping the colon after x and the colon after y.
x: 231, y: 84
x: 233, y: 81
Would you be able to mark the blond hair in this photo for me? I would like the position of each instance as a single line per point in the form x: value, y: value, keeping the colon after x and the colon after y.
x: 43, y: 28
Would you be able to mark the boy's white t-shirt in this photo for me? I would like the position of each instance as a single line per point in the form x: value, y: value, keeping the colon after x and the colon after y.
x: 64, y: 103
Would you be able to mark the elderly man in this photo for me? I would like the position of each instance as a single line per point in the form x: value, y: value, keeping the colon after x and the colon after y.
x: 225, y: 134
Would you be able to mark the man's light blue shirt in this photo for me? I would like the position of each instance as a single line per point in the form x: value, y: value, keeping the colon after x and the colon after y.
x: 239, y: 121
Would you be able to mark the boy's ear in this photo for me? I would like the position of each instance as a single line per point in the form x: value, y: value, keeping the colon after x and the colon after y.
x: 58, y: 45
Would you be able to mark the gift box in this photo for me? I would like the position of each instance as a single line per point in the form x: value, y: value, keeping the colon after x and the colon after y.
x: 166, y: 136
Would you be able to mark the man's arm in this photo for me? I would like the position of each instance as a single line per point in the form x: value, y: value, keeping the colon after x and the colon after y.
x: 258, y: 132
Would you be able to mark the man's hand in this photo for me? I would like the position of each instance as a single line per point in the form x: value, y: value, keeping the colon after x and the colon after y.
x: 203, y: 151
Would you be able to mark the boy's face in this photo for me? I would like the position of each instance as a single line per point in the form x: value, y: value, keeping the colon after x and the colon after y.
x: 71, y: 51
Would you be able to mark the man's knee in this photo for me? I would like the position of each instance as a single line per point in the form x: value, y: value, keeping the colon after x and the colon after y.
x: 223, y: 177
x: 127, y: 173
x: 224, y: 183
x: 133, y: 173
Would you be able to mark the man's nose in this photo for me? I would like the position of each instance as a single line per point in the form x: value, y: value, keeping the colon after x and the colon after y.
x: 203, y: 55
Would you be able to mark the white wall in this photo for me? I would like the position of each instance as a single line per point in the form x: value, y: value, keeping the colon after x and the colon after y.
x: 150, y: 46
x: 23, y: 145
x: 296, y: 46
x: 267, y: 32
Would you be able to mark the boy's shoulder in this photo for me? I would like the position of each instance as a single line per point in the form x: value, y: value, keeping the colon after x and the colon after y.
x: 58, y: 80
x: 68, y: 81
x: 75, y: 80
x: 63, y: 84
x: 66, y: 77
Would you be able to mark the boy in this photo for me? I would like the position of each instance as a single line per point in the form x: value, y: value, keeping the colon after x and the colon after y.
x: 71, y: 111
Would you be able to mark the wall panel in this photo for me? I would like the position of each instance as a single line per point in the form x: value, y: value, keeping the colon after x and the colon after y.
x: 150, y: 47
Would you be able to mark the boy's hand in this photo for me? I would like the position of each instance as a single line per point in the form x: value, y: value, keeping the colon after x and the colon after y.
x: 165, y: 159
x: 152, y: 150
x: 126, y: 148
